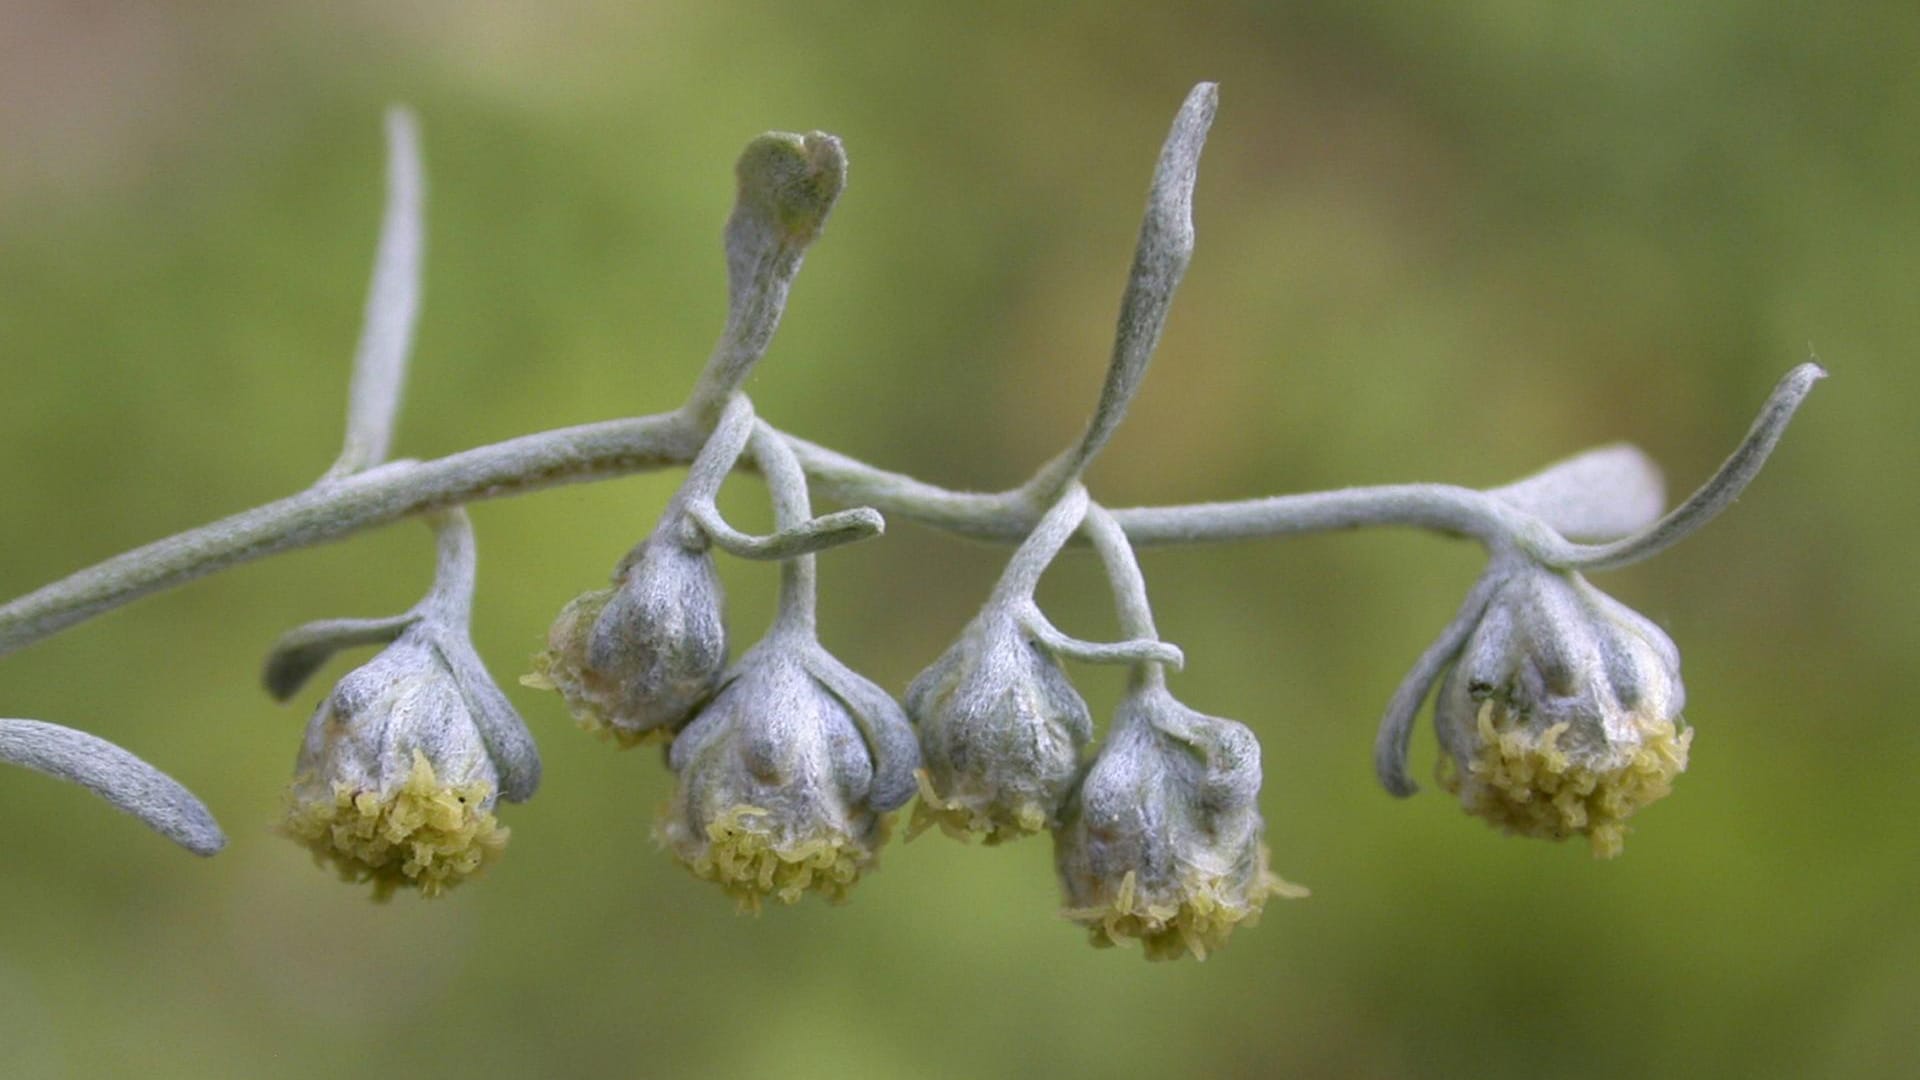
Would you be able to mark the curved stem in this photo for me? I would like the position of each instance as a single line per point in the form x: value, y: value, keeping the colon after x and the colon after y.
x: 1058, y: 641
x: 1440, y: 507
x: 601, y: 451
x: 718, y: 455
x: 1129, y: 588
x: 349, y: 505
x: 711, y: 468
x: 1031, y: 559
x: 806, y: 538
x: 787, y: 484
x: 1022, y: 576
x: 450, y: 601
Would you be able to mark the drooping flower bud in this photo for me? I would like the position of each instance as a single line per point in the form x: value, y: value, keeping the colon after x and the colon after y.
x: 1161, y: 843
x: 785, y: 775
x: 788, y: 184
x: 635, y: 660
x: 1001, y: 731
x: 395, y: 783
x: 1562, y: 715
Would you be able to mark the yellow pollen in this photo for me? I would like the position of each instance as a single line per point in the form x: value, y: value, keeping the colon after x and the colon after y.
x: 1196, y: 919
x: 425, y: 834
x: 1523, y: 782
x: 742, y: 856
x: 965, y: 816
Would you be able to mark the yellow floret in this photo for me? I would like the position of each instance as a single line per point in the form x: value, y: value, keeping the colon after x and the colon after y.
x: 742, y: 856
x: 1523, y: 781
x: 425, y: 834
x: 1197, y: 919
x: 965, y: 816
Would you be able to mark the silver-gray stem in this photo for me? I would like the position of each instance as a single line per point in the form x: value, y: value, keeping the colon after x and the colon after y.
x: 590, y: 452
x: 787, y: 484
x: 1128, y: 584
x: 393, y: 305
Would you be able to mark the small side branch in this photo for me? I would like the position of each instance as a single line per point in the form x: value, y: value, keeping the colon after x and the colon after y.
x: 1160, y: 260
x: 393, y: 305
x: 1715, y: 495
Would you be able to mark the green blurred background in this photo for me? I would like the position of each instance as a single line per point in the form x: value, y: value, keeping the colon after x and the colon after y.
x: 1450, y: 245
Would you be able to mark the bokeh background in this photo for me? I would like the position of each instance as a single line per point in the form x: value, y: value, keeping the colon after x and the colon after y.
x: 1451, y: 244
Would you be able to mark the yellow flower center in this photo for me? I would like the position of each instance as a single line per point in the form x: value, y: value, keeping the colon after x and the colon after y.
x: 1522, y: 781
x: 424, y: 834
x: 1196, y: 916
x: 744, y: 857
x: 964, y: 815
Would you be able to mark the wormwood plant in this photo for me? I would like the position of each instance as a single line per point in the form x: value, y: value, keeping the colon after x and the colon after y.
x: 1557, y: 710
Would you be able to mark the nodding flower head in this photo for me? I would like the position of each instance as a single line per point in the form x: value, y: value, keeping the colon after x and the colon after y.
x: 634, y: 661
x: 785, y: 775
x: 1562, y: 715
x: 1001, y: 731
x: 1162, y: 841
x: 394, y: 783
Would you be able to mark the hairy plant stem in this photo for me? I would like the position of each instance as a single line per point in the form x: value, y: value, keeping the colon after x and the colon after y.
x: 335, y: 508
x: 338, y: 508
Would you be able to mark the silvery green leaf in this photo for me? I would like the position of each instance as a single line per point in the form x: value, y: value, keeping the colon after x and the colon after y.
x: 882, y: 723
x: 1596, y: 496
x: 305, y: 649
x: 1391, y: 745
x: 393, y: 305
x: 1720, y: 490
x: 1160, y: 259
x: 788, y: 184
x: 505, y: 734
x: 115, y: 775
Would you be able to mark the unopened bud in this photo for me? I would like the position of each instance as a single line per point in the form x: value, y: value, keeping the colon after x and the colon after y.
x: 635, y: 660
x: 1001, y: 731
x: 1162, y: 841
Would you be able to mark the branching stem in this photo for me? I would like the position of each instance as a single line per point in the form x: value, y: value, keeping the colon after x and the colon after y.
x: 341, y: 507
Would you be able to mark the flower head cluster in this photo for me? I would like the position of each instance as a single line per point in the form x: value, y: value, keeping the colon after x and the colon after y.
x: 1158, y: 840
x: 395, y: 784
x: 1562, y: 716
x: 1162, y: 840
